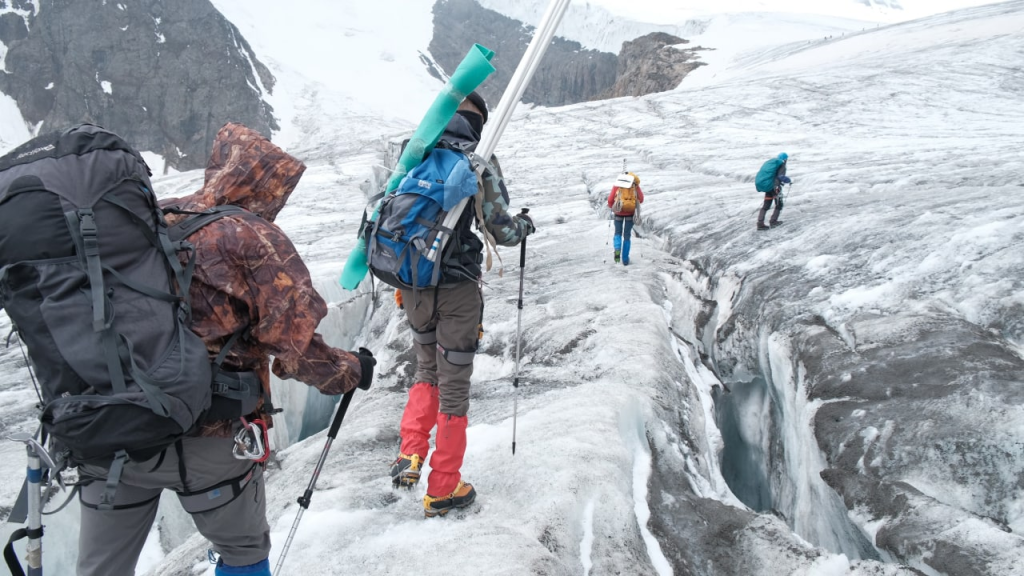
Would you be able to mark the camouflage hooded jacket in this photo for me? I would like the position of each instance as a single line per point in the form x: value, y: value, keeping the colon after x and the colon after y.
x: 249, y: 275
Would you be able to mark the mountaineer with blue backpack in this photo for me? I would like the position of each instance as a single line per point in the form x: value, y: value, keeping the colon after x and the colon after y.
x: 769, y: 180
x: 441, y: 291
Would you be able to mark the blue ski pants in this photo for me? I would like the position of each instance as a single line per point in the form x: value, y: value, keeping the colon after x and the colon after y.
x: 623, y: 226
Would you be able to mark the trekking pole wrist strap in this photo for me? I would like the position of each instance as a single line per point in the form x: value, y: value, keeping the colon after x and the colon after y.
x: 10, y: 556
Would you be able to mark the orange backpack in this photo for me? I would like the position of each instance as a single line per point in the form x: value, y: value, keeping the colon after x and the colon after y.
x: 625, y: 196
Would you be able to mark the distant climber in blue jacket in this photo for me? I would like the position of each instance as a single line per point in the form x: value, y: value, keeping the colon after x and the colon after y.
x: 769, y: 180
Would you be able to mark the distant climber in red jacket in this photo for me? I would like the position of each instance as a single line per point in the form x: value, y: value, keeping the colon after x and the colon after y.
x: 624, y: 200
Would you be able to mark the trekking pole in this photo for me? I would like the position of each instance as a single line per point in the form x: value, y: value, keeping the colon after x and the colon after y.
x: 519, y: 331
x: 34, y: 531
x: 308, y: 494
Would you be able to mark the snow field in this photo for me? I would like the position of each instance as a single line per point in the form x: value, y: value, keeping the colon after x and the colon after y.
x: 890, y: 153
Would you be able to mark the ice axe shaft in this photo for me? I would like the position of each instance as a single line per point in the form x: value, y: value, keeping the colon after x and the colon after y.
x: 37, y: 456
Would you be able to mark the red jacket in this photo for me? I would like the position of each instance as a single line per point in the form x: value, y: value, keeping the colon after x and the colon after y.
x: 639, y: 199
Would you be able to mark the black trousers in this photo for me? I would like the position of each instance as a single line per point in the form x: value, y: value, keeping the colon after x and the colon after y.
x: 770, y: 197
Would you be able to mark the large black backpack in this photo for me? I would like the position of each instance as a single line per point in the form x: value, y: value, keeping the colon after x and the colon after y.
x: 93, y: 285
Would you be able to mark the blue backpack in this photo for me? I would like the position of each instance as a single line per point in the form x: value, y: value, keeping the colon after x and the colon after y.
x: 765, y: 180
x: 403, y: 243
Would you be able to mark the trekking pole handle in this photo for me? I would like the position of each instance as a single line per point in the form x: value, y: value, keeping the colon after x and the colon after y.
x: 522, y: 259
x: 336, y: 424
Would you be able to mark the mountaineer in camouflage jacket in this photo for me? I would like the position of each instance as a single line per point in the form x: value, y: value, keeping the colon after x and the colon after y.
x: 447, y: 323
x: 248, y: 275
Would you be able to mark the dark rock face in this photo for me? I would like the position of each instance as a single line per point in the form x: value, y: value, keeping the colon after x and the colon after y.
x: 568, y: 73
x: 164, y: 75
x: 651, y: 64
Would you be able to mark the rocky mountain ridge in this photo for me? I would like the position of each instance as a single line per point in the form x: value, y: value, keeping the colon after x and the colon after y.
x: 167, y: 76
x: 164, y: 75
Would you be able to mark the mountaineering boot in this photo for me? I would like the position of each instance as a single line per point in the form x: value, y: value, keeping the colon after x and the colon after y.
x: 463, y: 495
x: 761, y: 226
x: 445, y: 489
x: 417, y: 421
x: 405, y: 471
x: 625, y: 253
x: 257, y: 569
x: 776, y: 223
x: 617, y: 243
x: 617, y: 252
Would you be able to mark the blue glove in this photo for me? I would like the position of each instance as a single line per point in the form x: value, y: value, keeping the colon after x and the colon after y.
x: 785, y: 179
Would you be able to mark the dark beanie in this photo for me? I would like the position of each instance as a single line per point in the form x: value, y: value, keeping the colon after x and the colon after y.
x: 478, y: 101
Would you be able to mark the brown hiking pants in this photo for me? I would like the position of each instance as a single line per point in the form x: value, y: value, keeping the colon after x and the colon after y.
x: 446, y: 325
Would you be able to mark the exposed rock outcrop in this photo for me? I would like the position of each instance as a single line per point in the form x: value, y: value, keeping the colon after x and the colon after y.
x: 568, y: 73
x: 652, y: 63
x: 164, y: 75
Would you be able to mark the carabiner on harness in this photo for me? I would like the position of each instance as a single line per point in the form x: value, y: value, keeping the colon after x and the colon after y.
x: 252, y: 442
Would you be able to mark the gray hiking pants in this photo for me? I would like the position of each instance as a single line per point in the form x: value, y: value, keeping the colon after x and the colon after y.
x: 110, y: 541
x: 446, y: 331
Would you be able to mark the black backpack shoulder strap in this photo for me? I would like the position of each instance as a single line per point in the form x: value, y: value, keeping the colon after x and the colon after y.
x: 179, y: 232
x: 464, y: 146
x: 240, y: 386
x: 198, y: 220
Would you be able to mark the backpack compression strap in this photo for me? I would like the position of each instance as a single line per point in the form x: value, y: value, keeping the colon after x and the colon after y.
x: 198, y: 220
x: 242, y: 386
x: 82, y: 227
x: 189, y: 226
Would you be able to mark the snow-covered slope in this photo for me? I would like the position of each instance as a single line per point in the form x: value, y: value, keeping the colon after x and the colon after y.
x: 726, y: 28
x: 874, y: 340
x: 596, y: 27
x: 345, y: 70
x: 13, y: 130
x: 893, y: 241
x: 660, y: 12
